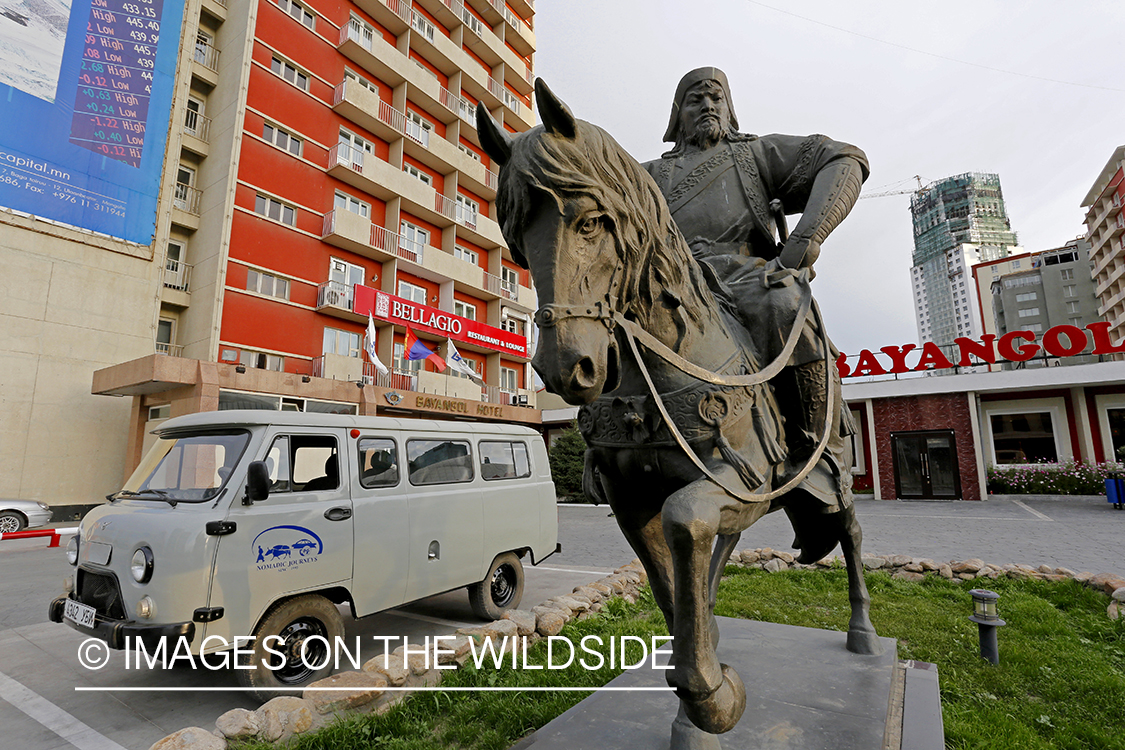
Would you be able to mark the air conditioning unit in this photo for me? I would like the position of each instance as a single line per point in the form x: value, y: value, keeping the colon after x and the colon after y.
x: 521, y: 400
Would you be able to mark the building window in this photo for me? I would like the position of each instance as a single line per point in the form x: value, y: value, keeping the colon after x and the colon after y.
x: 359, y: 80
x: 348, y: 203
x: 290, y: 73
x: 508, y: 379
x: 399, y: 362
x: 1024, y: 438
x: 1027, y: 297
x: 193, y: 125
x: 1029, y: 312
x: 1067, y: 274
x: 418, y: 128
x: 343, y: 343
x: 464, y: 309
x: 165, y: 335
x: 298, y: 11
x: 275, y: 210
x: 267, y: 284
x: 509, y: 278
x: 469, y: 152
x: 413, y: 238
x: 1034, y: 327
x: 1072, y: 307
x: 418, y: 174
x: 282, y: 139
x: 204, y: 50
x: 1070, y: 290
x: 175, y: 276
x: 474, y: 364
x: 261, y: 360
x: 183, y: 197
x: 467, y: 210
x: 466, y: 254
x: 514, y: 325
x: 1015, y: 264
x: 412, y: 292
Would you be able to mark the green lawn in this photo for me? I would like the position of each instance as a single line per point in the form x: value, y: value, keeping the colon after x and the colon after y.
x: 1060, y: 682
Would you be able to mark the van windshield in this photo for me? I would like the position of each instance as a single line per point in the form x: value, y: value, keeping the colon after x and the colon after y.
x: 187, y: 468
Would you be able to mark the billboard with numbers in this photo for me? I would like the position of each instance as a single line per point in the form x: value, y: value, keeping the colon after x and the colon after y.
x: 85, y: 95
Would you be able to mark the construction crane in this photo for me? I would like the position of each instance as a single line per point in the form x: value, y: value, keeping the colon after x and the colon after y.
x: 919, y: 190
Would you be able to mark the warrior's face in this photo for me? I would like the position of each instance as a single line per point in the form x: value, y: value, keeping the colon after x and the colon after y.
x: 705, y: 114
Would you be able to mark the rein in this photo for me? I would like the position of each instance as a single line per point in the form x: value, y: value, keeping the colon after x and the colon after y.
x: 551, y: 314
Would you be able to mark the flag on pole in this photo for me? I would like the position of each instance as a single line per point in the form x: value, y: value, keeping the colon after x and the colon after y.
x: 416, y: 350
x: 458, y: 363
x: 369, y: 345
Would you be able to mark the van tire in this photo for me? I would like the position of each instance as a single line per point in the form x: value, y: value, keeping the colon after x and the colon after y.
x: 293, y: 620
x: 501, y: 590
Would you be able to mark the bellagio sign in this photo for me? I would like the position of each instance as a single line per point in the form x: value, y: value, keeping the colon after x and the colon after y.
x: 1014, y: 346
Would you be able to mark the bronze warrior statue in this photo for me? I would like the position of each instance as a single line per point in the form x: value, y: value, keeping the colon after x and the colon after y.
x: 719, y: 185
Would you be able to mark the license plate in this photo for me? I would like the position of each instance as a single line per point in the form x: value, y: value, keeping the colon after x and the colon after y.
x: 83, y: 614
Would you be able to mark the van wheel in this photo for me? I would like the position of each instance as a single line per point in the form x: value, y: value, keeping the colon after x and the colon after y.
x: 292, y: 622
x: 500, y: 590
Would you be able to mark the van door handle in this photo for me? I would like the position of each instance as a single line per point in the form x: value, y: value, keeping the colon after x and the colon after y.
x: 338, y: 514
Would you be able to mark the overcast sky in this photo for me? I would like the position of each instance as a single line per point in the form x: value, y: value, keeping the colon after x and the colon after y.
x: 617, y: 62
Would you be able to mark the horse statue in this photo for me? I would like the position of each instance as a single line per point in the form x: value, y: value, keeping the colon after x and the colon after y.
x: 683, y: 427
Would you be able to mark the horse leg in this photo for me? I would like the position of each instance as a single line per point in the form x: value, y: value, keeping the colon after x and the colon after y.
x: 719, y: 558
x: 862, y: 638
x: 643, y: 530
x: 711, y: 694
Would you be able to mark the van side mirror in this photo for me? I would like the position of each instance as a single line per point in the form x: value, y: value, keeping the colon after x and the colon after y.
x: 257, y: 482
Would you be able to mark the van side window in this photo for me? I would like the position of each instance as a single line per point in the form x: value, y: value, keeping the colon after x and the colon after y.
x: 378, y: 462
x: 315, y: 463
x: 277, y: 461
x: 503, y: 460
x: 439, y: 461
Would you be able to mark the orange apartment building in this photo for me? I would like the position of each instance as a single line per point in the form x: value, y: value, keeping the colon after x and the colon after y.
x: 328, y: 167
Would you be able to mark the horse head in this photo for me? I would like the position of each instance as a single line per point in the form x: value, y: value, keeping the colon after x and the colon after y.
x: 582, y: 215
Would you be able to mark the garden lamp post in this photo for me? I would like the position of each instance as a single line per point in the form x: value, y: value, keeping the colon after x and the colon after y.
x: 984, y: 615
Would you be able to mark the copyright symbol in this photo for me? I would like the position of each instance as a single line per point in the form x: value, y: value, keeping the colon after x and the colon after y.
x: 93, y: 653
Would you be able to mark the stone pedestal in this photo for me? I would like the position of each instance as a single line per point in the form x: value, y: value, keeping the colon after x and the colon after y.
x: 804, y: 690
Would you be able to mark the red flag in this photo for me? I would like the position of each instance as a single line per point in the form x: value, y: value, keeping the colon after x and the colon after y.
x: 416, y: 350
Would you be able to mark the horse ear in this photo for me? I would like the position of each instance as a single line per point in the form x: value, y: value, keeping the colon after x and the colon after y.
x: 556, y: 116
x: 496, y: 143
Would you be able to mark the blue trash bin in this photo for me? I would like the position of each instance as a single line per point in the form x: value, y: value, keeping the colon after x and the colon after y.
x: 1115, y: 492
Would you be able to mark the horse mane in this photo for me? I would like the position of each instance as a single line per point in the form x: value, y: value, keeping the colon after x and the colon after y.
x: 654, y: 253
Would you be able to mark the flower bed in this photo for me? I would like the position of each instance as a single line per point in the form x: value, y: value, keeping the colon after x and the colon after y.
x: 1068, y: 478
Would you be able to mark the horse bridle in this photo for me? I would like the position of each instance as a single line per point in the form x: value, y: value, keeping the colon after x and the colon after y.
x: 550, y: 315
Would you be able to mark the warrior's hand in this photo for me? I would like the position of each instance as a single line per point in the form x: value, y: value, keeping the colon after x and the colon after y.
x: 799, y: 252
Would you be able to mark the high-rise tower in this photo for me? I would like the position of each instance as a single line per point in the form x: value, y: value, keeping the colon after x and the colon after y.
x: 958, y: 222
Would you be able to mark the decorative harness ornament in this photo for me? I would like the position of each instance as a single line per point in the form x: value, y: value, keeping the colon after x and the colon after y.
x: 551, y: 314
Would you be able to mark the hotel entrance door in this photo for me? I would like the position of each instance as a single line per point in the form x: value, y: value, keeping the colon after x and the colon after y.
x: 925, y: 465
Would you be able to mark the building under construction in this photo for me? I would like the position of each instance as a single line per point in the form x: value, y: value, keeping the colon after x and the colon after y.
x: 958, y: 222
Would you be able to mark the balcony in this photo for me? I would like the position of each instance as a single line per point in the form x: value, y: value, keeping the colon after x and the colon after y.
x: 337, y: 298
x: 197, y: 132
x: 177, y: 275
x: 172, y: 350
x: 338, y: 367
x: 347, y: 230
x: 393, y: 15
x: 394, y: 380
x: 205, y: 62
x: 216, y: 8
x: 492, y: 394
x: 500, y: 288
x: 186, y: 201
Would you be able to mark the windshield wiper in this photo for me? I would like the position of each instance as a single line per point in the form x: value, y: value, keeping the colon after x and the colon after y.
x: 162, y: 494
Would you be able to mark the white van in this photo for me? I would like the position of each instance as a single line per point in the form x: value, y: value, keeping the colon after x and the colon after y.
x: 257, y: 523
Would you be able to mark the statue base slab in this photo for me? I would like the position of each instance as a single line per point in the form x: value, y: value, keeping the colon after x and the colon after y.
x: 804, y: 690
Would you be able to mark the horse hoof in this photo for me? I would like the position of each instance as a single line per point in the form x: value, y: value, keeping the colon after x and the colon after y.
x: 687, y: 736
x: 865, y: 642
x: 720, y: 711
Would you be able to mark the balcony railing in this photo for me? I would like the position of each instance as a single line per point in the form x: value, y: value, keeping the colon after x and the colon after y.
x: 493, y: 394
x: 346, y: 155
x: 197, y: 125
x: 491, y: 179
x: 500, y: 287
x: 395, y: 244
x: 400, y: 8
x: 177, y: 275
x: 335, y: 294
x: 445, y: 206
x: 395, y: 380
x: 172, y: 350
x: 186, y: 198
x: 206, y: 55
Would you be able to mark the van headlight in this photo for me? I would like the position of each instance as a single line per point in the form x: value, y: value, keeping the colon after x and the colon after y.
x: 141, y: 567
x: 72, y: 550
